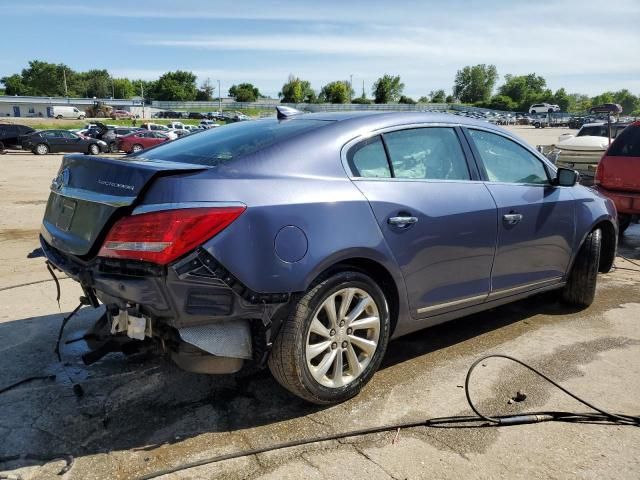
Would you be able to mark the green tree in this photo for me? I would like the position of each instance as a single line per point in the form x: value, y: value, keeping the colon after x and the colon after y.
x: 362, y: 100
x: 387, y: 89
x: 437, y: 96
x: 423, y: 99
x: 13, y: 85
x: 296, y: 90
x: 406, y: 100
x: 124, y: 88
x: 336, y: 92
x: 561, y: 98
x: 43, y: 78
x: 174, y: 86
x: 578, y: 102
x: 205, y: 92
x: 500, y: 102
x: 244, y: 92
x: 450, y: 99
x: 627, y: 100
x: 475, y: 83
x: 525, y: 90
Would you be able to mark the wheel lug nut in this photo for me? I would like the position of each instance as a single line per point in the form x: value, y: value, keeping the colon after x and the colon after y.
x: 344, y: 344
x: 349, y: 331
x: 332, y: 332
x: 342, y: 323
x: 334, y: 345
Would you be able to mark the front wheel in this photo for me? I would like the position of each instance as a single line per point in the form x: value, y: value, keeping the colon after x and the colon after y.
x: 94, y: 149
x: 41, y: 149
x: 137, y: 148
x: 333, y: 339
x: 580, y: 289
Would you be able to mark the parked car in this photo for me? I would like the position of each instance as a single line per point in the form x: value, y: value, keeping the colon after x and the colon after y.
x: 10, y: 135
x: 57, y: 141
x: 618, y: 174
x: 308, y: 241
x: 196, y: 115
x: 121, y: 114
x: 66, y: 111
x: 113, y: 134
x: 543, y: 108
x: 208, y: 124
x: 138, y: 141
x: 154, y: 127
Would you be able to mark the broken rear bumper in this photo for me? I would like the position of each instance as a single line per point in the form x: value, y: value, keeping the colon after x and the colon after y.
x: 194, y: 301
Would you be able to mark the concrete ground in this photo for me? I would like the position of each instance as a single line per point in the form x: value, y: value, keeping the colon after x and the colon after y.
x: 137, y: 414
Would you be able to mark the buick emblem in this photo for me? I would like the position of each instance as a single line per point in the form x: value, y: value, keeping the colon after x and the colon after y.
x: 62, y: 180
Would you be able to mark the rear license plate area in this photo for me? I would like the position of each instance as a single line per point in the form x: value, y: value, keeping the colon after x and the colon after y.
x: 65, y: 215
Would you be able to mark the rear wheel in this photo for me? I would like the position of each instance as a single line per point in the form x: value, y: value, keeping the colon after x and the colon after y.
x: 580, y: 289
x: 333, y: 340
x: 624, y: 221
x: 137, y: 148
x: 59, y: 117
x: 113, y: 147
x: 41, y: 149
x: 2, y: 148
x: 94, y: 149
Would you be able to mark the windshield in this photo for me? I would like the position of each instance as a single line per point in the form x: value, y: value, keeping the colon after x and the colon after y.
x: 220, y: 145
x: 593, y: 131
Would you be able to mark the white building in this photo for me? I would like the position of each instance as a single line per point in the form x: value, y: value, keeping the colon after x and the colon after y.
x: 43, y: 106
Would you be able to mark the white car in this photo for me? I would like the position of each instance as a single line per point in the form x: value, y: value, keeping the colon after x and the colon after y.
x: 544, y: 108
x: 155, y: 127
x: 208, y: 124
x: 66, y: 111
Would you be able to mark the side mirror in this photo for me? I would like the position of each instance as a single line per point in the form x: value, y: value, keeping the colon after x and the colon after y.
x: 565, y: 177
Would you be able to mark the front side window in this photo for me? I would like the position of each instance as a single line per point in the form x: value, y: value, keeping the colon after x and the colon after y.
x: 368, y: 159
x: 506, y: 161
x: 432, y: 153
x: 627, y: 144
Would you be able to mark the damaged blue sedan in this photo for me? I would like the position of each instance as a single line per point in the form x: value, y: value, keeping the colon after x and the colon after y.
x: 306, y: 242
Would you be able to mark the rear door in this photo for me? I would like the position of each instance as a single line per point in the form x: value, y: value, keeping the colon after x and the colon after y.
x: 437, y: 217
x: 55, y: 140
x: 535, y: 218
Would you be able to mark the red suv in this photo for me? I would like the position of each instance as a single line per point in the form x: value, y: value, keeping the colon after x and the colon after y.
x: 618, y: 174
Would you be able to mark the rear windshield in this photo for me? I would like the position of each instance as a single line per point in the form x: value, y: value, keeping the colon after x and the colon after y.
x: 222, y: 144
x: 627, y: 144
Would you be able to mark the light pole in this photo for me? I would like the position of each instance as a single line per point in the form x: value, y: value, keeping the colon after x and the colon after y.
x: 219, y: 98
x: 350, y: 87
x: 142, y: 94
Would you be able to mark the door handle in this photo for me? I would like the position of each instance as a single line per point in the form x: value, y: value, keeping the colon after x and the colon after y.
x: 512, y: 218
x: 402, y: 221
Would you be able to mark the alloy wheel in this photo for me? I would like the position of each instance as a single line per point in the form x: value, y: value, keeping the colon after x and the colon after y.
x: 343, y: 337
x: 42, y: 149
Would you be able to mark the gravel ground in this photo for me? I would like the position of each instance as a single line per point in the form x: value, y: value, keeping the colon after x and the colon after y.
x: 141, y: 414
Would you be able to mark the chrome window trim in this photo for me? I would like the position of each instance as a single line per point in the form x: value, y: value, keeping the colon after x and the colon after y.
x: 159, y: 207
x: 408, y: 126
x: 94, y: 197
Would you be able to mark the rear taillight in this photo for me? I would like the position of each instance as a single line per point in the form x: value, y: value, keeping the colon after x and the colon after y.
x: 161, y: 237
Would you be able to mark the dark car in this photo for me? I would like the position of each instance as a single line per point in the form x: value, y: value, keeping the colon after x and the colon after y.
x: 196, y: 116
x: 55, y: 141
x: 10, y: 136
x: 306, y: 242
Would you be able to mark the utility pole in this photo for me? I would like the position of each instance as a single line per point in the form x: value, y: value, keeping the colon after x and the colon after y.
x: 363, y: 94
x: 113, y: 89
x: 142, y: 94
x: 219, y: 98
x: 64, y: 76
x: 350, y: 87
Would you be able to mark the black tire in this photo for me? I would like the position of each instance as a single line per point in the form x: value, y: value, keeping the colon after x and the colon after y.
x: 136, y: 148
x: 580, y: 289
x: 59, y: 117
x: 94, y: 149
x: 624, y: 221
x: 550, y: 110
x: 2, y: 148
x: 287, y: 360
x: 533, y: 112
x: 41, y: 149
x: 113, y: 147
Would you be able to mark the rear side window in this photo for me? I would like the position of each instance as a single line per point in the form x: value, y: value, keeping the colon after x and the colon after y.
x: 506, y: 161
x: 432, y: 153
x: 220, y: 145
x: 627, y: 144
x: 368, y: 159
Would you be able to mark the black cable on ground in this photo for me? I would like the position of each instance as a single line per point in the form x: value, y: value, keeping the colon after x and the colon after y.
x: 64, y: 324
x: 602, y: 417
x: 19, y: 285
x: 629, y: 260
x: 27, y: 380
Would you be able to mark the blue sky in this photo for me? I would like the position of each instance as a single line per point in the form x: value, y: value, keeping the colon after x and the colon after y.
x: 586, y: 46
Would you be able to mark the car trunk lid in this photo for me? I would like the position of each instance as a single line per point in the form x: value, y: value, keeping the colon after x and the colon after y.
x: 619, y: 173
x: 88, y: 192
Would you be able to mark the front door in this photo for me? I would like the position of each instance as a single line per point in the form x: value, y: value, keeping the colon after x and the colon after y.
x: 439, y: 223
x: 535, y: 218
x: 16, y: 111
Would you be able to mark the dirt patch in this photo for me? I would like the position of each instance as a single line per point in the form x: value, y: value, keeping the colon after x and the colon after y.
x: 30, y: 202
x: 18, y: 234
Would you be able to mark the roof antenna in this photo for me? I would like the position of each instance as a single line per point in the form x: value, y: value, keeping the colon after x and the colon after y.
x: 287, y: 112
